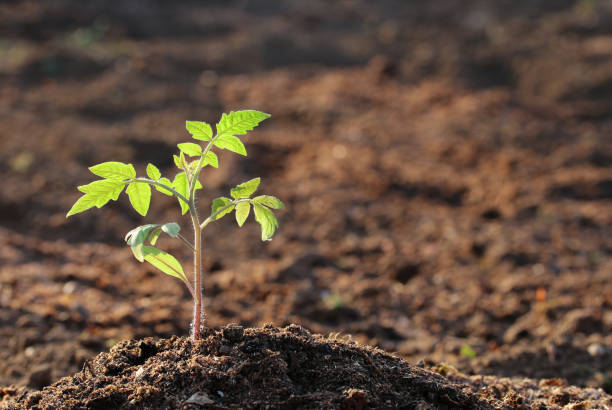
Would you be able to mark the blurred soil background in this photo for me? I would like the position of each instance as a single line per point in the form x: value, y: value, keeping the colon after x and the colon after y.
x: 446, y: 168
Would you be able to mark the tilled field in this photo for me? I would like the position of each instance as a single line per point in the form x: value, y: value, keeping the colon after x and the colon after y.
x: 446, y: 169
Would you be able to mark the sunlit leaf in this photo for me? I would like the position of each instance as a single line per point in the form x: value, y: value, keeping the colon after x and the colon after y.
x: 166, y: 182
x: 177, y: 161
x: 181, y: 186
x: 164, y: 262
x: 266, y: 219
x: 242, y: 212
x: 191, y: 149
x: 82, y: 204
x: 153, y: 172
x: 154, y: 236
x: 269, y: 201
x: 246, y: 189
x: 114, y: 170
x: 140, y: 196
x: 199, y: 130
x: 104, y: 190
x: 97, y: 194
x: 230, y: 143
x: 211, y: 159
x: 239, y: 122
x: 219, y: 203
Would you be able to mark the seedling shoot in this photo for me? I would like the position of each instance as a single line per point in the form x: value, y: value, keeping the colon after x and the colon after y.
x: 191, y: 160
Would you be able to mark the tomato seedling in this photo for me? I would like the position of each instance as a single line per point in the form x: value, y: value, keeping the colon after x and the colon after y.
x: 192, y: 158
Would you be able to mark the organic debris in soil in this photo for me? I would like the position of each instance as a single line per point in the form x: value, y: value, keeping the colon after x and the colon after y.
x: 275, y: 368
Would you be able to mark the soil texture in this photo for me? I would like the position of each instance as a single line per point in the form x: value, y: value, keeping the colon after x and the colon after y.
x: 446, y: 168
x: 282, y: 368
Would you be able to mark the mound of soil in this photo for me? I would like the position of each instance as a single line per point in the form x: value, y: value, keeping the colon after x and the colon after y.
x: 280, y: 368
x: 446, y: 168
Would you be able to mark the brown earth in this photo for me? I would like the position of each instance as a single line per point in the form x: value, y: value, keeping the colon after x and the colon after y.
x: 446, y: 166
x: 282, y: 368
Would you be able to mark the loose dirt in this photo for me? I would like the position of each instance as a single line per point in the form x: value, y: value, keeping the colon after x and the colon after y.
x: 282, y: 368
x: 446, y: 166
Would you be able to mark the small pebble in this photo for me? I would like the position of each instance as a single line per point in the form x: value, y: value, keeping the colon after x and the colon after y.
x: 139, y: 373
x: 199, y: 398
x: 595, y: 349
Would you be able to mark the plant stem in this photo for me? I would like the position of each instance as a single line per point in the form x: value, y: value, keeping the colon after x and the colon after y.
x: 197, y: 268
x: 196, y: 173
x: 189, y: 287
x: 197, y: 255
x: 166, y: 187
x: 185, y: 241
x: 197, y: 242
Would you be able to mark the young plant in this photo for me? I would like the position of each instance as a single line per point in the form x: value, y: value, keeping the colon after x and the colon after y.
x: 191, y: 160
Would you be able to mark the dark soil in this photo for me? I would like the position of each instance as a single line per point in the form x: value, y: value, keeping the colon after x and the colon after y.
x: 281, y: 368
x: 446, y: 166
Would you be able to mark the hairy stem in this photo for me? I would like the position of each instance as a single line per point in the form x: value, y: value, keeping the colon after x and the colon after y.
x: 197, y: 252
x: 197, y: 257
x: 197, y: 269
x: 196, y: 173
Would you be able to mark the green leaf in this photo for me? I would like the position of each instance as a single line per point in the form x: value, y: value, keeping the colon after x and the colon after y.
x: 177, y: 161
x: 154, y: 236
x: 137, y: 237
x: 166, y: 182
x: 97, y: 194
x: 139, y: 234
x: 171, y: 228
x: 164, y: 262
x: 239, y: 122
x: 191, y: 149
x: 153, y: 172
x: 82, y: 204
x: 211, y: 159
x: 231, y: 143
x: 181, y: 186
x: 219, y: 203
x: 242, y: 212
x: 182, y: 160
x: 266, y: 219
x: 140, y: 196
x: 269, y: 201
x: 199, y: 130
x: 467, y: 351
x: 246, y: 189
x: 114, y: 170
x: 104, y: 190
